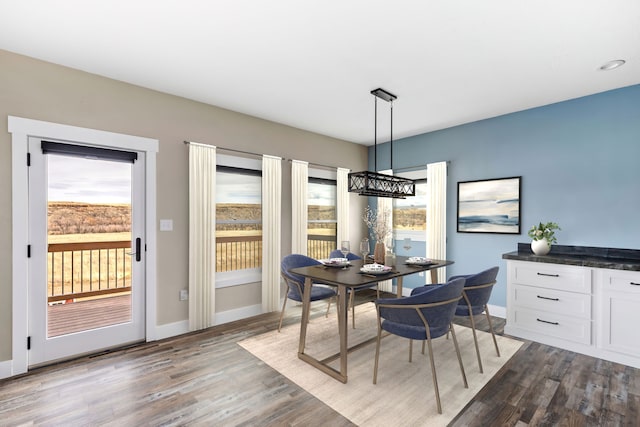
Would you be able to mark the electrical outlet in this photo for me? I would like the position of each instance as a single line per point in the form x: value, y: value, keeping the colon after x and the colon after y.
x: 184, y: 295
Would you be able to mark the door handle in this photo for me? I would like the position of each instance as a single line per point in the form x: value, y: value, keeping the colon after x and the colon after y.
x: 137, y: 252
x: 138, y: 244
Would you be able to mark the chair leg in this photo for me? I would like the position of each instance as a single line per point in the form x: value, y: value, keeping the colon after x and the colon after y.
x: 328, y: 307
x: 375, y: 364
x: 284, y: 304
x: 410, y: 350
x: 433, y: 376
x: 455, y: 343
x: 495, y: 342
x: 422, y: 347
x: 475, y: 339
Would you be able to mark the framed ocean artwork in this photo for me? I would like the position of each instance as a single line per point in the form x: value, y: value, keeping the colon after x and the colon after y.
x: 489, y: 206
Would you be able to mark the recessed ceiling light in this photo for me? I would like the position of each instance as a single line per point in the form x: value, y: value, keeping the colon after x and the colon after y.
x: 612, y: 64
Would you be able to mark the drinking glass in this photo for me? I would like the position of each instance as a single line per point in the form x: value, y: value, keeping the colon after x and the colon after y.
x: 364, y: 249
x: 345, y: 247
x: 407, y: 244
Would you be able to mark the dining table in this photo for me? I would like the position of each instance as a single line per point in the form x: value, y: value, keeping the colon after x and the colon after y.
x: 343, y: 279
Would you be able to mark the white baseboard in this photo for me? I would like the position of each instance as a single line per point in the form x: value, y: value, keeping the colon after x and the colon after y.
x: 171, y: 329
x: 6, y: 369
x: 182, y: 327
x: 497, y: 311
x: 237, y: 314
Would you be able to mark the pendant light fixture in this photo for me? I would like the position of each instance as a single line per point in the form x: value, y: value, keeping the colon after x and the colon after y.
x: 369, y: 183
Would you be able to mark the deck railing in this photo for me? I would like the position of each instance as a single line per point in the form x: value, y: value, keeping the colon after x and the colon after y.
x: 320, y: 246
x: 88, y: 269
x: 238, y: 252
x: 242, y: 252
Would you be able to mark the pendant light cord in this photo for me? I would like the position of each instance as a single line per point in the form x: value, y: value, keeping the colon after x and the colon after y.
x: 391, y: 142
x: 375, y: 134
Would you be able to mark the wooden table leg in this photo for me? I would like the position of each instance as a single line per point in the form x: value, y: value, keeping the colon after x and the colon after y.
x: 306, y: 306
x: 434, y: 276
x: 343, y: 330
x: 399, y: 286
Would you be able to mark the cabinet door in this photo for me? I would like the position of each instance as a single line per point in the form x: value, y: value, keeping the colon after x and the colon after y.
x: 621, y: 312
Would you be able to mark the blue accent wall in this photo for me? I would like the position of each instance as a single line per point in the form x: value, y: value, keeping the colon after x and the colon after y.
x: 580, y: 167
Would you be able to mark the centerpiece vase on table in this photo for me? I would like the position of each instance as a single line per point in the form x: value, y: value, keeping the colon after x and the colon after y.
x: 379, y: 253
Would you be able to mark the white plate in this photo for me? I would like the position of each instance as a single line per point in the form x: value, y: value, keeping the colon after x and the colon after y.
x: 328, y: 263
x: 419, y: 261
x: 386, y: 270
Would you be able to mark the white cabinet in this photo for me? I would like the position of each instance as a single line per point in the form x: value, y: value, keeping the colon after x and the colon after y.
x: 550, y: 300
x: 589, y: 310
x: 620, y: 295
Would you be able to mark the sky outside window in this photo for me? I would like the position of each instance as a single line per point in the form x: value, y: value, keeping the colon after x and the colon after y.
x: 75, y: 179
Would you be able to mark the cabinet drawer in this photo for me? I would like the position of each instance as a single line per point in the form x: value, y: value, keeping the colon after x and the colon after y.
x: 554, y: 324
x: 553, y: 276
x: 621, y: 280
x: 553, y: 301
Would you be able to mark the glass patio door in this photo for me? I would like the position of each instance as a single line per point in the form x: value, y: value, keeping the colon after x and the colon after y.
x: 86, y: 274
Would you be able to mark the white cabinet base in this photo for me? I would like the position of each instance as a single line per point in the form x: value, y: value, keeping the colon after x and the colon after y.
x: 592, y: 311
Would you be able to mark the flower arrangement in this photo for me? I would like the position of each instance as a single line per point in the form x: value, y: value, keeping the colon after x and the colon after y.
x: 379, y: 225
x: 544, y: 231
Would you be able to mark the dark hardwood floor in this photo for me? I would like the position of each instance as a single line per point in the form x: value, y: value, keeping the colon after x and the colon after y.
x: 205, y: 378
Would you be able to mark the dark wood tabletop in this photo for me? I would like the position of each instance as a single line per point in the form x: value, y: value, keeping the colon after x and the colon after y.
x: 352, y: 277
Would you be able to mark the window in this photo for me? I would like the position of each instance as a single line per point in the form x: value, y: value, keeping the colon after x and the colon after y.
x: 321, y: 217
x: 238, y: 219
x: 410, y: 222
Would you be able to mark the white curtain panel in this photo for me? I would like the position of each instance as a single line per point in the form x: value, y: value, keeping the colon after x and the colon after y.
x: 386, y: 204
x: 299, y: 213
x: 271, y: 218
x: 202, y: 235
x: 342, y: 206
x: 437, y: 215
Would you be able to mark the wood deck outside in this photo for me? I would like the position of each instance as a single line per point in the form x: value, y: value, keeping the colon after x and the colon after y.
x: 83, y: 315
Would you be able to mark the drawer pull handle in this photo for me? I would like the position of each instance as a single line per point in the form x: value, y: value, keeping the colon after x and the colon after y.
x: 634, y: 283
x: 548, y: 275
x: 550, y: 299
x: 546, y: 321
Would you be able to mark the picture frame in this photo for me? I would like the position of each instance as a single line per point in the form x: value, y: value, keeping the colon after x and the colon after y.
x: 489, y: 206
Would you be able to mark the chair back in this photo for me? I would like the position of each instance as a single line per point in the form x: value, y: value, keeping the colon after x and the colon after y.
x: 336, y: 253
x: 478, y: 288
x: 437, y: 305
x: 295, y: 261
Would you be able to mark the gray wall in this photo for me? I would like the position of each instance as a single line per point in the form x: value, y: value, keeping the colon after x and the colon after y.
x: 579, y: 162
x: 42, y: 91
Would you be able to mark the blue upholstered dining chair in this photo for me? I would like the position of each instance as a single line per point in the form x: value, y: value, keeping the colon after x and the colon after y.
x: 424, y: 316
x: 351, y: 256
x: 295, y: 283
x: 475, y: 296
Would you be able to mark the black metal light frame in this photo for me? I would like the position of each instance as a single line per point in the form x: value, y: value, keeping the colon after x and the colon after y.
x: 367, y: 183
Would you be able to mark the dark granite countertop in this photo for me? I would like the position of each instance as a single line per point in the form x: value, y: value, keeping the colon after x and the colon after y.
x: 585, y: 256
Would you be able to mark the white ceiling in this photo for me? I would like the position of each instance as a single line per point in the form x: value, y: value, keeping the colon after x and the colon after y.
x: 311, y: 64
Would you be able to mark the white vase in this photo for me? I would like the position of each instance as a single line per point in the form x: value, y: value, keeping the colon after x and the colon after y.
x: 540, y: 247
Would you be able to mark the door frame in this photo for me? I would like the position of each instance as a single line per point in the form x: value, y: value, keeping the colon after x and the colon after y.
x: 21, y: 129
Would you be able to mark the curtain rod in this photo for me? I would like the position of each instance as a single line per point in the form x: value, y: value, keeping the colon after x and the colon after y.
x: 318, y: 165
x: 230, y: 149
x: 415, y: 168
